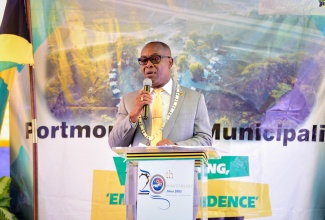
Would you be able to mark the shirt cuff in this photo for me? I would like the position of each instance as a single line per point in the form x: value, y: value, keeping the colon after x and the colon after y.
x: 133, y: 125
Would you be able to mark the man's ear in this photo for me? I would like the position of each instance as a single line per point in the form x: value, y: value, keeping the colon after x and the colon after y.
x: 171, y: 62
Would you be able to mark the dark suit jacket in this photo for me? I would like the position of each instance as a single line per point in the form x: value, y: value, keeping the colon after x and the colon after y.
x: 188, y: 126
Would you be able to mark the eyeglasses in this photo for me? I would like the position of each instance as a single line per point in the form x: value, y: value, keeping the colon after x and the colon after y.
x: 154, y: 59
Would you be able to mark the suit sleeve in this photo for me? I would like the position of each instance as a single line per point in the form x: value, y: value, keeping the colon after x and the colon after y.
x: 122, y: 133
x: 202, y: 134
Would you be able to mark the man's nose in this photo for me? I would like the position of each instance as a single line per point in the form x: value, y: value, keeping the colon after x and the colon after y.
x: 149, y: 63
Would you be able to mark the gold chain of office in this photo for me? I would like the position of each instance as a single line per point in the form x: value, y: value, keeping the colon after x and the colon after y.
x: 150, y: 138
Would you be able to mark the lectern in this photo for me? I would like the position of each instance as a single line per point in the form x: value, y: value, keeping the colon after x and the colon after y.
x: 166, y: 182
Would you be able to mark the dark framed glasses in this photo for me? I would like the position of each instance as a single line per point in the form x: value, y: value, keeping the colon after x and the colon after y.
x: 154, y: 59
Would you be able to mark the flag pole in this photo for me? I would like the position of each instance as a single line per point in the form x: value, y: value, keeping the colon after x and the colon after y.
x: 33, y: 115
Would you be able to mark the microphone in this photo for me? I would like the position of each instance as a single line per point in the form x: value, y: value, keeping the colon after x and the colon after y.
x: 147, y: 83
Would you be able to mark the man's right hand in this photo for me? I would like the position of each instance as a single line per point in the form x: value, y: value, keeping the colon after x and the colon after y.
x: 143, y: 98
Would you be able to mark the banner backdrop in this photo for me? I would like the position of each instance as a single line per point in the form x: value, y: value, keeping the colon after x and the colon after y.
x: 262, y: 75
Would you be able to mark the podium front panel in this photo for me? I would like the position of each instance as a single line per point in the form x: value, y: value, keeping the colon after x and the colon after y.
x: 165, y: 190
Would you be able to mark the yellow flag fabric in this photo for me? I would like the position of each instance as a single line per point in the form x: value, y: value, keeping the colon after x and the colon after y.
x: 4, y: 133
x: 15, y: 49
x: 6, y: 81
x: 8, y: 76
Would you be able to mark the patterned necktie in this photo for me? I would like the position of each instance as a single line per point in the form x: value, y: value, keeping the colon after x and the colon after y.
x: 156, y: 117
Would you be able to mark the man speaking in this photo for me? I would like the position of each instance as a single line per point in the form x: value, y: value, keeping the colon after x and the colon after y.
x: 178, y: 116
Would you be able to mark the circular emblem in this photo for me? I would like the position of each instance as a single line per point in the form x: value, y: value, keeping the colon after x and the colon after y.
x: 157, y: 184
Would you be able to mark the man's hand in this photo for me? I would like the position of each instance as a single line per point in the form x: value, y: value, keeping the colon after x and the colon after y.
x: 143, y: 98
x: 166, y: 142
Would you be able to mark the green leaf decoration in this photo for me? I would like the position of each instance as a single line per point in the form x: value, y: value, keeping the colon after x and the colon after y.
x: 5, y: 203
x: 5, y: 199
x: 6, y: 215
x: 4, y: 186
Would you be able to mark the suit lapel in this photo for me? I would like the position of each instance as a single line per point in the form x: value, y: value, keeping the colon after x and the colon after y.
x: 170, y: 124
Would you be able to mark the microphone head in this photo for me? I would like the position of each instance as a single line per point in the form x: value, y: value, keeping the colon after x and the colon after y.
x: 147, y: 82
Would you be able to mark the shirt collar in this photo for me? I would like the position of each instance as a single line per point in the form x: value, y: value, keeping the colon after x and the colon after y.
x: 168, y: 87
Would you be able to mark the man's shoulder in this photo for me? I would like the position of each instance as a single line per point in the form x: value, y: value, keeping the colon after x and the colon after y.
x: 131, y: 94
x: 190, y: 91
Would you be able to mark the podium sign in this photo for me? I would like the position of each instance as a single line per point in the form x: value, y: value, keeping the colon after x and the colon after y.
x: 165, y: 189
x: 165, y: 181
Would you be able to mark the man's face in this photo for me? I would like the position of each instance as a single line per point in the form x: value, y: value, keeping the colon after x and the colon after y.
x: 159, y: 73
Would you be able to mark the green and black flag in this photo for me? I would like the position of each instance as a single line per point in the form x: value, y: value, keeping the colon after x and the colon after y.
x: 15, y: 45
x: 15, y: 48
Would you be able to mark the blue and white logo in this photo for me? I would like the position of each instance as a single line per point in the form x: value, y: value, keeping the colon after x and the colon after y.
x: 157, y: 184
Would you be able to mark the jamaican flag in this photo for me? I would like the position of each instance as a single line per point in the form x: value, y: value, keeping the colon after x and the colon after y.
x: 15, y: 47
x: 15, y: 44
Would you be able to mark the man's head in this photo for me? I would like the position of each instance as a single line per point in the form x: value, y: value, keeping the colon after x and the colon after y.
x: 157, y: 67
